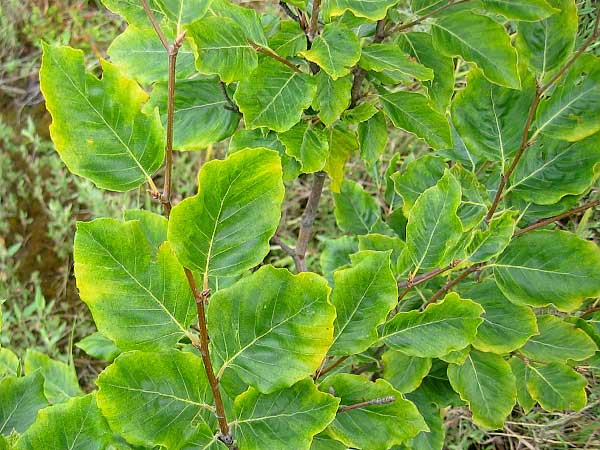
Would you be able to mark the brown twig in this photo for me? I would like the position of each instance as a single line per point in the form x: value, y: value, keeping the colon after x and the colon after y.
x: 330, y: 367
x: 548, y: 221
x: 286, y: 8
x: 314, y: 20
x: 153, y: 21
x: 428, y: 275
x: 289, y: 250
x: 450, y: 284
x: 406, y: 26
x: 590, y: 311
x: 231, y: 104
x: 376, y: 401
x: 525, y: 141
x: 308, y: 219
x: 271, y: 54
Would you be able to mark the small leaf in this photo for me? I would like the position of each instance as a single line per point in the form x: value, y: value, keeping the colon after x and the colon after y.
x: 76, y: 425
x: 506, y: 327
x: 332, y: 97
x: 372, y: 10
x: 382, y: 243
x: 222, y: 48
x: 522, y: 373
x: 356, y: 211
x: 60, y: 380
x: 288, y: 40
x: 239, y: 200
x: 412, y: 112
x: 290, y: 322
x: 342, y: 143
x: 294, y: 414
x: 308, y: 144
x: 200, y: 116
x: 490, y: 243
x: 435, y: 437
x: 440, y: 329
x: 98, y: 127
x: 336, y: 253
x: 274, y: 96
x: 246, y: 18
x: 159, y: 387
x: 403, y: 371
x: 376, y: 427
x: 336, y: 50
x: 138, y: 298
x: 558, y: 341
x: 419, y: 175
x: 481, y: 40
x: 99, y: 346
x: 9, y: 363
x: 547, y: 44
x: 543, y: 267
x: 557, y: 387
x: 372, y: 138
x: 363, y: 295
x: 20, y: 400
x: 486, y: 382
x: 388, y: 57
x: 433, y: 227
x: 525, y: 10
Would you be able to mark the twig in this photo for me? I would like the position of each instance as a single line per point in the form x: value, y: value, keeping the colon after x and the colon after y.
x: 450, y: 284
x: 402, y: 27
x: 155, y: 25
x: 360, y: 73
x: 232, y: 106
x: 428, y: 275
x: 525, y: 141
x: 308, y: 219
x: 271, y: 54
x: 376, y: 401
x: 289, y: 250
x: 330, y: 367
x: 286, y: 8
x: 548, y: 221
x: 590, y: 311
x: 314, y: 20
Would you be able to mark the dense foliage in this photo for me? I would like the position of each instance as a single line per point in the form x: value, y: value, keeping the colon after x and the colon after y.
x: 450, y: 285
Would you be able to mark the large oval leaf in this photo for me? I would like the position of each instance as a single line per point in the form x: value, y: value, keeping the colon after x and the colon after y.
x: 20, y: 400
x: 225, y: 229
x: 557, y: 387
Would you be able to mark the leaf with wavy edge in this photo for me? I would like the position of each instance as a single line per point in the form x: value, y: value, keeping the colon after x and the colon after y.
x: 60, y: 380
x: 20, y: 400
x: 557, y: 387
x: 369, y: 9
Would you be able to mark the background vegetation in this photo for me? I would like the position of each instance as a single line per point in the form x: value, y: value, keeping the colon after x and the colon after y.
x: 40, y: 203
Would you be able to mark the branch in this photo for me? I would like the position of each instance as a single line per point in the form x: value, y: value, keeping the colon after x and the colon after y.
x: 308, y: 219
x: 271, y: 54
x: 289, y: 250
x: 411, y: 282
x: 450, y: 284
x: 155, y: 25
x: 330, y: 367
x: 376, y: 401
x: 525, y: 142
x: 548, y: 221
x: 405, y: 26
x: 286, y: 8
x: 232, y: 106
x: 314, y: 20
x: 590, y: 311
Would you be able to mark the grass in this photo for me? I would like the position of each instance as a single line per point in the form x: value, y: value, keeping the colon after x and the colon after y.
x: 41, y: 202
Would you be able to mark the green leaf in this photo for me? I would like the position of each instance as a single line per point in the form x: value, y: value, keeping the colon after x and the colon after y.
x: 356, y: 211
x: 403, y: 371
x: 372, y: 138
x: 97, y: 125
x: 490, y: 118
x: 60, y: 380
x: 437, y: 388
x: 474, y: 198
x: 290, y: 322
x: 76, y: 425
x: 274, y: 96
x: 412, y: 112
x: 370, y: 9
x: 558, y: 341
x: 133, y: 12
x: 342, y: 143
x: 9, y: 363
x: 183, y: 12
x: 547, y: 44
x: 332, y: 97
x: 522, y: 374
x: 435, y: 437
x: 388, y: 57
x: 246, y: 18
x: 487, y: 383
x: 544, y: 267
x: 433, y: 226
x: 481, y: 40
x: 361, y: 113
x: 419, y: 175
x: 239, y: 200
x: 308, y: 144
x: 491, y: 242
x: 557, y: 387
x: 382, y: 243
x: 525, y: 10
x: 99, y: 346
x: 363, y: 295
x: 552, y: 169
x: 324, y: 442
x: 139, y: 299
x: 20, y: 400
x: 440, y: 90
x: 140, y: 55
x: 222, y: 48
x: 168, y: 391
x: 457, y: 356
x: 200, y: 114
x: 376, y: 427
x: 335, y: 50
x: 506, y: 327
x: 571, y: 112
x: 441, y: 328
x: 288, y: 40
x: 292, y: 415
x: 336, y: 253
x: 154, y: 226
